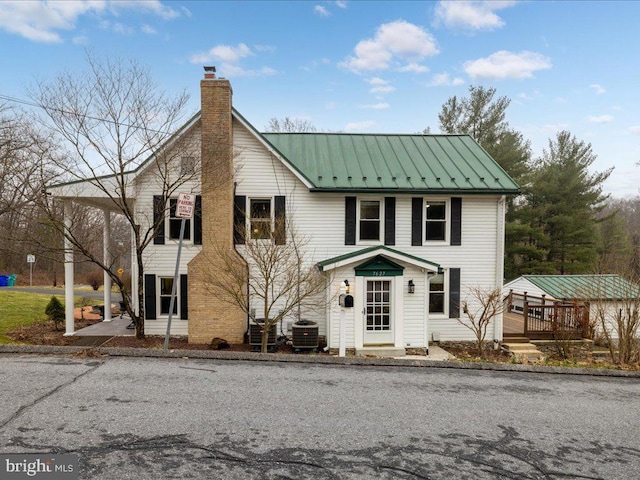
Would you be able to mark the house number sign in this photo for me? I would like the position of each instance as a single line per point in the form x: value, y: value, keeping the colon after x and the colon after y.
x: 379, y: 273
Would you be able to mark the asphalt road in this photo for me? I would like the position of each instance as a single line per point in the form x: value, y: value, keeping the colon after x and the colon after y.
x: 185, y: 418
x: 59, y: 291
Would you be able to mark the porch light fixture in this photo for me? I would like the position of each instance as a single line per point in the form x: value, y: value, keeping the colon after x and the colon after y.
x: 412, y: 287
x: 346, y: 286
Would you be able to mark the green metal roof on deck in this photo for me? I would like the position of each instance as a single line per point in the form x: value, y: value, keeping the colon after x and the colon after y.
x: 583, y: 287
x: 409, y: 163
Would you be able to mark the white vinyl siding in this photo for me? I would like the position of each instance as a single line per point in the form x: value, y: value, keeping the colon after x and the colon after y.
x: 320, y: 218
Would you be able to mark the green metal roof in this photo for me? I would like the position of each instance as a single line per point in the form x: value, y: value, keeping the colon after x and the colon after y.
x: 398, y: 163
x: 585, y: 287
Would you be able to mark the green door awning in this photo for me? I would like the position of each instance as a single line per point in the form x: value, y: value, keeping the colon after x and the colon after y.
x: 379, y: 266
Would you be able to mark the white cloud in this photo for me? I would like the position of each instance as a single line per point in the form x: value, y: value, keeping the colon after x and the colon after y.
x: 471, y: 15
x: 598, y: 89
x: 148, y: 29
x: 223, y: 53
x: 265, y: 48
x: 229, y: 58
x: 80, y: 40
x: 377, y: 81
x: 600, y: 118
x: 383, y: 89
x: 444, y: 80
x: 506, y: 65
x: 359, y: 126
x: 635, y: 129
x: 376, y: 106
x: 398, y: 40
x: 322, y: 11
x: 561, y: 100
x: 413, y: 67
x: 116, y: 27
x: 42, y: 21
x: 341, y: 4
x: 331, y: 106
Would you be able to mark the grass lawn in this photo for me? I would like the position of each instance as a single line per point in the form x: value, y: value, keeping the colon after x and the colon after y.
x: 21, y: 309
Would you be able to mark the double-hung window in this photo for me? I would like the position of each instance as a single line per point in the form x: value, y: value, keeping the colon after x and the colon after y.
x: 175, y: 222
x: 437, y: 294
x: 260, y: 218
x: 436, y: 221
x: 166, y: 285
x: 370, y: 220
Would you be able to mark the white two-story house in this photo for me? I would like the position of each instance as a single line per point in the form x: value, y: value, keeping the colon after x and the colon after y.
x: 410, y: 222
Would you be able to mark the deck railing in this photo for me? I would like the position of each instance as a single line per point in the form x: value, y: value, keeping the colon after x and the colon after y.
x: 545, y: 318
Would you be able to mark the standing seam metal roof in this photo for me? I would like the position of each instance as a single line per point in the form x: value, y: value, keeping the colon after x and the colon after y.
x: 392, y: 162
x: 583, y: 287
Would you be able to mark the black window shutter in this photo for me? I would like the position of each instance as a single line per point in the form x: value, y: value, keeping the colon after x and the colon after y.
x: 416, y: 221
x: 158, y: 213
x: 454, y: 293
x: 349, y: 220
x: 197, y: 221
x: 184, y: 298
x: 280, y: 230
x: 239, y: 222
x: 150, y: 297
x: 456, y: 221
x: 390, y: 220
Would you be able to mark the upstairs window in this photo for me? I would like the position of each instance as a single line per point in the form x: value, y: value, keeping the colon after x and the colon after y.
x: 175, y: 222
x: 260, y: 218
x: 370, y: 220
x: 187, y: 166
x: 436, y: 221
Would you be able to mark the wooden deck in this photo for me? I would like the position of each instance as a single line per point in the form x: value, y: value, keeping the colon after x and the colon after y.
x: 512, y: 323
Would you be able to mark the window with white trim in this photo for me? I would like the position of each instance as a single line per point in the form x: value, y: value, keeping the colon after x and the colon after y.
x: 166, y: 285
x: 176, y: 222
x: 437, y: 294
x: 370, y: 221
x: 435, y: 221
x: 260, y: 218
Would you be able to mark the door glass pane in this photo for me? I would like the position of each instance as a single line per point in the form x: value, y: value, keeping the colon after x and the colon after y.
x: 378, y: 305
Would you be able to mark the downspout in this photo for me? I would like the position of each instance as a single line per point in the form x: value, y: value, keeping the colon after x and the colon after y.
x: 500, y: 241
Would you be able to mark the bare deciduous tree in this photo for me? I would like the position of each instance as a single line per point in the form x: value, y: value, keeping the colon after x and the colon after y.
x: 114, y: 121
x: 280, y: 282
x: 290, y: 125
x: 618, y: 319
x: 481, y: 306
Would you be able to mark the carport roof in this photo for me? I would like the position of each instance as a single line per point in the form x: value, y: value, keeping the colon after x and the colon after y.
x: 584, y: 287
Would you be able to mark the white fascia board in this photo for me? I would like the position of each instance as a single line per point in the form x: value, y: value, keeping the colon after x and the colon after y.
x: 392, y: 254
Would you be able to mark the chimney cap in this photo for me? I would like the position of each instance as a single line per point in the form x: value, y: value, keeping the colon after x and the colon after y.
x: 210, y: 69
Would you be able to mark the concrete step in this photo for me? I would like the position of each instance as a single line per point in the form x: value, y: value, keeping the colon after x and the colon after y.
x: 524, y: 350
x: 380, y: 352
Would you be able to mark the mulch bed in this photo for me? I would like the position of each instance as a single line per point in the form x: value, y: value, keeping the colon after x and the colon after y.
x: 468, y: 351
x: 44, y: 333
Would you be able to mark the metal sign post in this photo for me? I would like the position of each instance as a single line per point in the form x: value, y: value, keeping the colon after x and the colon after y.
x: 184, y: 209
x: 31, y: 259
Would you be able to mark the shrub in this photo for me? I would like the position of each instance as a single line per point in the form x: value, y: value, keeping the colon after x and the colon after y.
x: 55, y: 311
x: 95, y: 278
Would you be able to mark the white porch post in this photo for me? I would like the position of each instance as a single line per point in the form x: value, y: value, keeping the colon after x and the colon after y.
x: 106, y: 236
x: 68, y: 270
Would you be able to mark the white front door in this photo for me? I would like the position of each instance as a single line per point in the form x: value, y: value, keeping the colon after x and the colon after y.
x: 378, y: 316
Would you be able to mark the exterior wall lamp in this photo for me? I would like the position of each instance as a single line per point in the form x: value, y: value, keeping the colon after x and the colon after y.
x: 346, y: 287
x: 412, y: 287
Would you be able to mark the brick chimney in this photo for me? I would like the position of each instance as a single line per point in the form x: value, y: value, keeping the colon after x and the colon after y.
x: 209, y: 315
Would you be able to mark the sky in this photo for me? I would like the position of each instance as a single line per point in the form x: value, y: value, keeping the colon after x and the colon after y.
x: 362, y: 66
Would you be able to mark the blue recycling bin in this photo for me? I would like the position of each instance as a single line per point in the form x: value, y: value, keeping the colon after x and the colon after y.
x: 11, y: 281
x: 4, y: 280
